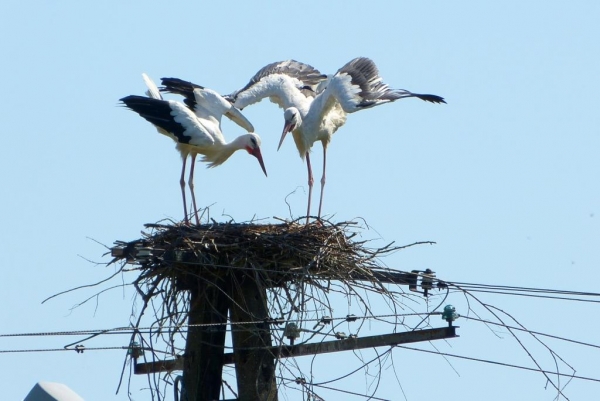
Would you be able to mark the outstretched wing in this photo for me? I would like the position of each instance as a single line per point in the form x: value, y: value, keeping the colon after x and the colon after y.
x: 286, y: 83
x: 175, y: 119
x: 206, y: 103
x: 211, y: 106
x: 357, y: 85
x: 181, y: 87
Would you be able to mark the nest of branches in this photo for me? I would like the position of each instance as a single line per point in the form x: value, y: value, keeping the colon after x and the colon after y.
x: 270, y: 253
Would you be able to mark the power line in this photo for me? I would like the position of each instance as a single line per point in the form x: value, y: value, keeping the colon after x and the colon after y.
x: 79, y: 349
x: 525, y: 291
x: 153, y: 330
x: 530, y: 289
x: 530, y: 331
x: 370, y: 397
x: 534, y: 296
x: 303, y: 383
x: 323, y: 320
x: 573, y: 376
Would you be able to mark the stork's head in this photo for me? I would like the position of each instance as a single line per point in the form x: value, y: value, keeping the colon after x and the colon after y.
x: 292, y: 121
x: 252, y: 146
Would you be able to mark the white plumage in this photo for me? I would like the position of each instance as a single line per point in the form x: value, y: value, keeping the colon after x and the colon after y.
x: 196, y: 129
x: 316, y: 105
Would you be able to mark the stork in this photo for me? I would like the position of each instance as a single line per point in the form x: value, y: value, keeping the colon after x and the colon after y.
x: 315, y: 106
x: 195, y: 129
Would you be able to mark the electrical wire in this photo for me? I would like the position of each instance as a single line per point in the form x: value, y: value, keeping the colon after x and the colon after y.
x: 79, y: 350
x: 573, y: 376
x: 152, y: 330
x: 514, y: 288
x: 546, y: 293
x: 370, y: 397
x: 542, y: 293
x: 306, y: 385
x: 529, y: 331
x: 181, y: 328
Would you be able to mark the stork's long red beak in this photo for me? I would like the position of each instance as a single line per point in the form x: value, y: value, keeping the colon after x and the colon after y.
x: 286, y: 128
x: 256, y: 153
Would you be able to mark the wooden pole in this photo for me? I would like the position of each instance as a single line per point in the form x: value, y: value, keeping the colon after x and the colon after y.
x: 204, y: 348
x: 254, y: 362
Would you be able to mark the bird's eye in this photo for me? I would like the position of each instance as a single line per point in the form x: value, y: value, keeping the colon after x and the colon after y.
x: 253, y: 141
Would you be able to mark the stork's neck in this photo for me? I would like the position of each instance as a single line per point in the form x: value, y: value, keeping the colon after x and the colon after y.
x: 220, y: 152
x: 238, y: 143
x: 286, y: 89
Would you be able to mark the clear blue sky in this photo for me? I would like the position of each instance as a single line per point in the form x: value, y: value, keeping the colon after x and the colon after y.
x: 504, y: 177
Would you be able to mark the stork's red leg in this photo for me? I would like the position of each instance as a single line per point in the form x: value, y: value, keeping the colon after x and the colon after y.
x: 182, y: 183
x: 191, y: 184
x: 310, y: 185
x: 323, y: 179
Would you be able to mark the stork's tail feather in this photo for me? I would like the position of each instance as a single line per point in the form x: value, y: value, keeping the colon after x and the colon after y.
x: 152, y: 91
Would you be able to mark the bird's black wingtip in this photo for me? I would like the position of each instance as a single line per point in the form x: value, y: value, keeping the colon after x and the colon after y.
x: 178, y: 84
x: 135, y: 98
x: 125, y: 100
x: 432, y: 98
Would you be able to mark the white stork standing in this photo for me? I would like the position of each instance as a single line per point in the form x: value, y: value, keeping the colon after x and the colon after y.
x: 316, y: 114
x: 195, y: 132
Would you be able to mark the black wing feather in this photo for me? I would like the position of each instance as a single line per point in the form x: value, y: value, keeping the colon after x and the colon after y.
x: 365, y: 75
x: 157, y: 112
x: 183, y: 88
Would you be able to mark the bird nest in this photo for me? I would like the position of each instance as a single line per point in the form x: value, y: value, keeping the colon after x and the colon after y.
x: 273, y: 253
x: 294, y: 267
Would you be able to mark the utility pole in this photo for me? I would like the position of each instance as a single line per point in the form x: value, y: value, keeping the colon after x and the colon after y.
x: 204, y: 348
x: 254, y: 361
